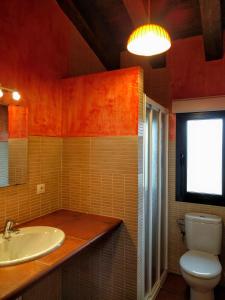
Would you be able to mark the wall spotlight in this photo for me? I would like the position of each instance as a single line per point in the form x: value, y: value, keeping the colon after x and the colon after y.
x: 15, y: 94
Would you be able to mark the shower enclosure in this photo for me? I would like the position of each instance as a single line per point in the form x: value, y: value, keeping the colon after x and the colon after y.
x: 155, y: 197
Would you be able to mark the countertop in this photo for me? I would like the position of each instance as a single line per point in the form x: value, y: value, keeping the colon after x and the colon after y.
x: 80, y: 229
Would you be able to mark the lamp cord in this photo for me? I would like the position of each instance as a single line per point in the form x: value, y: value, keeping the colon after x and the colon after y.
x: 148, y: 13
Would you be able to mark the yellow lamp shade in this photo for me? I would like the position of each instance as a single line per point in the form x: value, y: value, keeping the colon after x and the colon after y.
x: 149, y: 40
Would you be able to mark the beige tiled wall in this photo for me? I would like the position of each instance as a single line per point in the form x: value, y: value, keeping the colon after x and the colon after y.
x: 104, y: 175
x: 4, y: 174
x: 97, y: 173
x: 100, y: 176
x: 17, y: 160
x: 20, y: 202
x: 177, y: 210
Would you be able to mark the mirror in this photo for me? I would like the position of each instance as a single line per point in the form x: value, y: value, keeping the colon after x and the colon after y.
x: 13, y: 144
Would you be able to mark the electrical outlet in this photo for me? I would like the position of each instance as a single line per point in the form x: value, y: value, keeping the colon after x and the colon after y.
x: 40, y: 188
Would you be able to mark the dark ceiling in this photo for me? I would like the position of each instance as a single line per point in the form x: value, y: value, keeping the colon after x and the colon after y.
x: 106, y: 24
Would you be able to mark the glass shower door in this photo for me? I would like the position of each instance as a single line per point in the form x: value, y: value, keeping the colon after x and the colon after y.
x: 155, y: 197
x: 154, y: 204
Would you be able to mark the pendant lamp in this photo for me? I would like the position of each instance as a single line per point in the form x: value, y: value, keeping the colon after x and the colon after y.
x: 149, y: 39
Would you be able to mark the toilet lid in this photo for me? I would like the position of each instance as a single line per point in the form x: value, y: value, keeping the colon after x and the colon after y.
x: 200, y: 264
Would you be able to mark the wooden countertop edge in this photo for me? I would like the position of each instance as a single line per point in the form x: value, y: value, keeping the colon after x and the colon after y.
x: 51, y: 267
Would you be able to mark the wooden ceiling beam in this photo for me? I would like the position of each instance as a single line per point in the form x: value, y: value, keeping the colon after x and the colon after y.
x: 104, y: 48
x: 136, y: 11
x: 212, y: 28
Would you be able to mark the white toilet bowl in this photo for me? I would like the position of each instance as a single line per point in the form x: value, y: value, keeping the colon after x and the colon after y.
x: 202, y: 272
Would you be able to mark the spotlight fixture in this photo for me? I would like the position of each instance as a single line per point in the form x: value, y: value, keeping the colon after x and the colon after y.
x: 15, y: 94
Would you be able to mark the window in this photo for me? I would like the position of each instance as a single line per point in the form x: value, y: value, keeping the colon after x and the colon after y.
x: 200, y: 158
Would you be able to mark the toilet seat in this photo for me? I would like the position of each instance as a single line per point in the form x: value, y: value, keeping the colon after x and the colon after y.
x: 200, y: 264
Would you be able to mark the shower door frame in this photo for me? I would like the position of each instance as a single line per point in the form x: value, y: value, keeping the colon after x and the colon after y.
x: 148, y: 102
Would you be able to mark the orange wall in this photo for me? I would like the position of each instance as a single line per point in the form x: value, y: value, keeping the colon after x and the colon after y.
x: 187, y: 74
x: 191, y: 75
x: 18, y: 121
x: 39, y: 45
x: 13, y: 122
x: 101, y: 104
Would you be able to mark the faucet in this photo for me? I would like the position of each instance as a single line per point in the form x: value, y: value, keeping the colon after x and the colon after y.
x: 8, y: 229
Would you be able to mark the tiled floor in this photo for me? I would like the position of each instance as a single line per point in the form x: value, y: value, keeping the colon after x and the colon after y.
x: 175, y: 288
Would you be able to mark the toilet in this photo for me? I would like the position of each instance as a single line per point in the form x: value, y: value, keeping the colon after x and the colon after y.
x: 200, y: 265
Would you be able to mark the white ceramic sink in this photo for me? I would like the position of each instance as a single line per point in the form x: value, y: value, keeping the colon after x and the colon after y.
x: 29, y: 243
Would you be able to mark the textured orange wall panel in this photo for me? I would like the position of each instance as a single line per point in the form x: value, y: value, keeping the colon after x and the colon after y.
x: 38, y: 46
x: 18, y: 121
x: 45, y: 109
x: 31, y: 56
x: 191, y: 74
x: 172, y: 127
x: 101, y: 104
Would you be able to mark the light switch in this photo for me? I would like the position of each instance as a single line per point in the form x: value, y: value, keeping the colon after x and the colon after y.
x: 40, y: 188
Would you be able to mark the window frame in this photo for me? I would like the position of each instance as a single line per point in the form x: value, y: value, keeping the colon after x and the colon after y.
x: 181, y: 160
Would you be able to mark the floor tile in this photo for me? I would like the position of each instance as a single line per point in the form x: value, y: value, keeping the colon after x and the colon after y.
x: 175, y: 284
x: 165, y: 295
x: 175, y: 288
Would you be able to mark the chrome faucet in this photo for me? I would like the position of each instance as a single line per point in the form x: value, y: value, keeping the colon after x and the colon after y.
x: 8, y: 229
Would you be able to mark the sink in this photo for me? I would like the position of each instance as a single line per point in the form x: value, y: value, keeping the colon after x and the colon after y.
x: 29, y: 243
